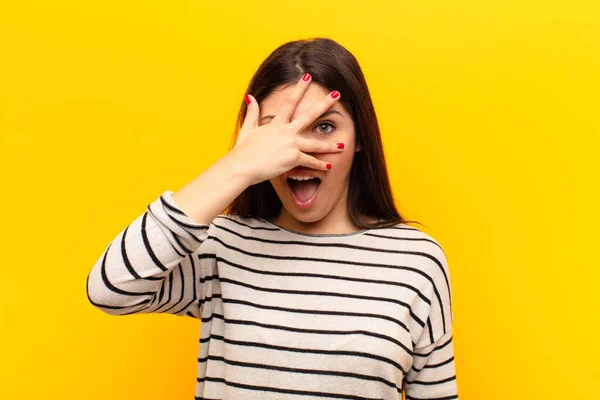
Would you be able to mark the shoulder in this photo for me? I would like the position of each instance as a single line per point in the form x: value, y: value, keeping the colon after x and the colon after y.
x: 418, y: 248
x: 409, y: 237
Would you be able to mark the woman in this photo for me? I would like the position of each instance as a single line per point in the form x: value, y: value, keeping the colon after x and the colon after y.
x: 308, y: 282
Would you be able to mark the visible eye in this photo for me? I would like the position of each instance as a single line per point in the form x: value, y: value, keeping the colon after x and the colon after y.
x: 323, y: 127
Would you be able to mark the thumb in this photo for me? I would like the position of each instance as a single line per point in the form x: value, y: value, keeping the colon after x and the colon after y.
x: 252, y: 113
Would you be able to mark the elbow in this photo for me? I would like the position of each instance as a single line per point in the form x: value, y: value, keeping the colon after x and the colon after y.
x: 111, y: 303
x: 96, y: 297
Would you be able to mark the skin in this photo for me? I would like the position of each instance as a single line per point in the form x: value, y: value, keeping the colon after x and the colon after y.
x: 329, y: 213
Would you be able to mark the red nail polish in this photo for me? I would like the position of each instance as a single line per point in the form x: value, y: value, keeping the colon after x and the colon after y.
x: 335, y: 94
x: 306, y: 77
x: 248, y: 100
x: 328, y: 166
x: 340, y: 145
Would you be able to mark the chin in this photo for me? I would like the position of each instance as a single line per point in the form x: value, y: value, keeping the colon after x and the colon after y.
x: 306, y: 216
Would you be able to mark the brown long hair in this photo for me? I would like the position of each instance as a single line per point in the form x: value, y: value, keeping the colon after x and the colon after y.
x: 333, y: 67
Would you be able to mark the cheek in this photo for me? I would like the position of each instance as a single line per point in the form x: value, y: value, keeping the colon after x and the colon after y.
x: 341, y: 164
x: 277, y: 183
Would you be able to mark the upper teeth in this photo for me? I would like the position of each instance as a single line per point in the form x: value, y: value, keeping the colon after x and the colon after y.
x: 301, y: 178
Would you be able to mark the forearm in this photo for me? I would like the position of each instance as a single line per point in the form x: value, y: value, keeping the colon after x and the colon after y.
x: 211, y: 192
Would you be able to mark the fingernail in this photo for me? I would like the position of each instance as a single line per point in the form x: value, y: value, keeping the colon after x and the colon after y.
x: 340, y: 145
x: 248, y: 99
x: 335, y: 94
x: 306, y: 77
x: 328, y: 166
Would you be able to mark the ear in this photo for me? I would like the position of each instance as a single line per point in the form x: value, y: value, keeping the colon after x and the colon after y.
x: 357, y: 147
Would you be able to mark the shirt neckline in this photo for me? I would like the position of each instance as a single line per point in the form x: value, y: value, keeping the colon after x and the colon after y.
x: 321, y: 235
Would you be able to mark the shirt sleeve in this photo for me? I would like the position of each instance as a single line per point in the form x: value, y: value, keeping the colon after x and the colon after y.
x: 433, y: 373
x: 152, y: 266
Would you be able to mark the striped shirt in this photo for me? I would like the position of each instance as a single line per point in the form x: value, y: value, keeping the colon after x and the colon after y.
x: 290, y: 315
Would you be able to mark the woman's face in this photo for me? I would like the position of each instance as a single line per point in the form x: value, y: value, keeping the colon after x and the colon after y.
x: 334, y: 126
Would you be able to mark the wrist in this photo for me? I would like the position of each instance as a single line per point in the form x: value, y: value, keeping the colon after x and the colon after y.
x: 236, y: 169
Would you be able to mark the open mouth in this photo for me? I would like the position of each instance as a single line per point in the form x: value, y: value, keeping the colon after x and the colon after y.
x: 303, y: 189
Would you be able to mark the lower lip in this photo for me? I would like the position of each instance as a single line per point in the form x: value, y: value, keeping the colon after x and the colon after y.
x: 308, y: 202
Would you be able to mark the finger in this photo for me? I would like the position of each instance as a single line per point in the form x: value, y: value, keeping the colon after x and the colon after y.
x: 286, y: 110
x: 318, y: 146
x: 312, y: 162
x: 303, y: 120
x: 252, y: 113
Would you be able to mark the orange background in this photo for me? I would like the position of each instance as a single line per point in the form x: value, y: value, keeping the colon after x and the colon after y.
x: 489, y: 114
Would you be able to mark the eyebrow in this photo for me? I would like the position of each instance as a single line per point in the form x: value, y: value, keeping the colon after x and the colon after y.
x: 326, y: 113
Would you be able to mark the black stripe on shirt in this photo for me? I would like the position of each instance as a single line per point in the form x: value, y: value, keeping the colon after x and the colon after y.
x: 322, y: 312
x: 128, y: 263
x: 298, y: 349
x: 112, y: 287
x: 331, y: 294
x: 301, y: 370
x: 323, y: 276
x: 455, y: 396
x: 147, y: 245
x: 288, y: 391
